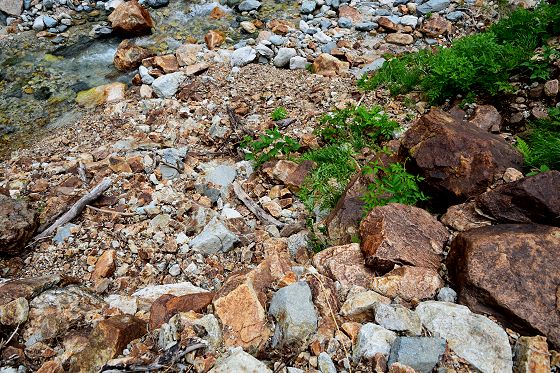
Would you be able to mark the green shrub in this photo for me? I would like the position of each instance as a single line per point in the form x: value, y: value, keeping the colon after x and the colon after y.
x: 279, y: 113
x: 391, y: 184
x: 269, y: 145
x: 541, y: 145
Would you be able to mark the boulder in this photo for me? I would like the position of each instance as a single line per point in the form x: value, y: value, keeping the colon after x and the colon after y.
x: 328, y: 65
x: 420, y: 353
x: 532, y: 199
x: 371, y: 340
x: 18, y: 224
x: 511, y: 272
x: 11, y: 7
x: 132, y: 19
x: 398, y: 234
x: 129, y: 56
x: 398, y: 318
x: 344, y: 264
x: 167, y: 85
x: 411, y: 284
x: 475, y: 338
x: 296, y: 319
x: 25, y: 288
x: 457, y: 161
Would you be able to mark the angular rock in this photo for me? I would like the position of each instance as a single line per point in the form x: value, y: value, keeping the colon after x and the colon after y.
x: 215, y: 237
x: 531, y: 355
x: 328, y: 65
x: 420, y: 353
x: 11, y: 7
x: 387, y: 24
x: 436, y: 25
x: 344, y: 264
x: 325, y: 363
x: 463, y: 217
x: 296, y: 319
x: 511, y: 272
x: 25, y: 288
x: 283, y: 57
x: 168, y: 305
x: 97, y: 96
x: 399, y: 39
x: 298, y: 62
x: 372, y: 339
x: 243, y: 56
x: 432, y: 6
x: 248, y: 5
x: 14, y: 312
x: 107, y: 341
x: 52, y: 366
x: 308, y: 6
x: 167, y: 85
x: 325, y: 298
x: 398, y: 234
x: 457, y: 161
x: 532, y: 199
x: 167, y: 63
x: 409, y: 283
x: 290, y: 173
x: 187, y: 54
x: 131, y: 18
x: 18, y: 224
x: 105, y: 265
x: 240, y: 362
x: 475, y: 338
x: 551, y: 88
x: 398, y: 319
x: 129, y: 56
x: 146, y: 296
x: 214, y: 38
x: 487, y: 118
x: 360, y: 306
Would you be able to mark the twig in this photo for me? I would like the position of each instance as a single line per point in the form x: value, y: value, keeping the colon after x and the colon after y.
x: 156, y: 366
x: 253, y: 207
x: 4, y: 344
x: 110, y: 211
x: 76, y: 208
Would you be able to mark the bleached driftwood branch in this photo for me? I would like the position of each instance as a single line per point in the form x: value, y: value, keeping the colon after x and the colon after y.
x: 253, y: 207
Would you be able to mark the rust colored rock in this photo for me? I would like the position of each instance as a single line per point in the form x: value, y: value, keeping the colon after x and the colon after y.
x: 214, y: 39
x: 167, y: 63
x: 435, y: 25
x: 328, y: 65
x: 131, y: 18
x: 532, y: 199
x: 51, y: 367
x: 457, y: 161
x: 168, y: 305
x: 387, y: 24
x: 487, y: 118
x: 399, y: 39
x: 531, y: 355
x: 289, y: 173
x: 325, y: 298
x: 344, y: 264
x: 400, y: 368
x: 105, y: 265
x: 18, y: 224
x: 464, y: 217
x: 511, y: 272
x: 107, y: 341
x: 217, y: 13
x: 25, y: 288
x: 398, y: 234
x: 129, y: 56
x: 412, y: 284
x: 346, y: 11
x: 295, y: 179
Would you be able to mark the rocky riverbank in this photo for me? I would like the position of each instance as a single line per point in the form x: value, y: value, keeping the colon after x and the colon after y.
x: 194, y: 259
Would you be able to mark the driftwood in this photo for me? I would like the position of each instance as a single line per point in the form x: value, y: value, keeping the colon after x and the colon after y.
x: 76, y: 209
x: 253, y: 207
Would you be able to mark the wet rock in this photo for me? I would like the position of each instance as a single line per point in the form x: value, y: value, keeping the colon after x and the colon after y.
x: 215, y: 237
x: 399, y: 39
x: 240, y: 362
x: 328, y: 65
x: 11, y: 7
x: 475, y: 338
x: 168, y: 305
x: 457, y: 161
x: 107, y: 341
x: 243, y: 56
x: 18, y: 224
x: 131, y: 18
x: 532, y: 199
x: 398, y: 234
x: 511, y: 272
x: 214, y: 38
x: 296, y: 319
x: 371, y: 340
x: 420, y: 353
x: 283, y: 57
x: 432, y: 6
x: 97, y: 96
x: 360, y: 305
x: 25, y: 288
x: 398, y: 319
x: 129, y: 56
x: 187, y: 54
x: 167, y: 85
x: 54, y: 311
x: 344, y: 264
x: 531, y: 355
x: 436, y: 25
x: 411, y: 284
x: 14, y: 312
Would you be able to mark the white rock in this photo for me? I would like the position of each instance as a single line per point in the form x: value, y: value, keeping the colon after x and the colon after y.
x: 167, y: 85
x: 215, y: 237
x: 124, y: 303
x: 239, y: 361
x: 298, y: 62
x: 283, y: 57
x: 38, y: 24
x: 243, y: 56
x: 151, y: 293
x: 373, y: 339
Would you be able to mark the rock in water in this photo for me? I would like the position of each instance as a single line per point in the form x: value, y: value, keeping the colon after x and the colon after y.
x: 18, y: 224
x: 131, y: 18
x: 129, y: 56
x: 294, y: 313
x: 457, y: 161
x: 532, y: 199
x: 475, y: 338
x: 510, y: 271
x: 239, y: 361
x: 401, y: 234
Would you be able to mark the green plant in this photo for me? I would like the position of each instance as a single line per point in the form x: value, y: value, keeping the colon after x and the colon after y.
x: 540, y: 146
x: 391, y: 184
x: 268, y: 146
x: 279, y: 113
x: 539, y: 65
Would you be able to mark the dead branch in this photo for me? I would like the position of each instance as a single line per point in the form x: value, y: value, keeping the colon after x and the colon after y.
x: 110, y: 211
x: 262, y: 215
x: 77, y: 208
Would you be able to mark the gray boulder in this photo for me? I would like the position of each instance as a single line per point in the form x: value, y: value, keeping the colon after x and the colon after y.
x: 243, y: 56
x: 283, y: 57
x: 432, y: 6
x: 215, y: 237
x: 420, y: 353
x: 248, y: 5
x: 398, y: 318
x: 372, y: 339
x: 167, y: 85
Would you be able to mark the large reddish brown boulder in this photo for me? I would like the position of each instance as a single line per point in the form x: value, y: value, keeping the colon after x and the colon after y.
x: 457, y: 161
x: 398, y: 234
x: 532, y: 199
x: 168, y: 305
x: 18, y: 224
x: 129, y: 56
x: 511, y: 272
x: 131, y: 18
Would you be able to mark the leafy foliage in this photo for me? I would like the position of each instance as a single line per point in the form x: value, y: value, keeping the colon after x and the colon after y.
x: 269, y: 145
x: 541, y: 146
x: 391, y: 184
x: 279, y: 113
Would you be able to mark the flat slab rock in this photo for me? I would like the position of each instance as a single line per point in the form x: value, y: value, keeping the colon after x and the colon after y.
x: 457, y: 161
x: 18, y: 224
x: 403, y: 235
x: 511, y: 271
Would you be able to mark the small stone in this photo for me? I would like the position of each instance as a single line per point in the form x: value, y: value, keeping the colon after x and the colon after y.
x: 131, y: 18
x: 345, y: 22
x: 328, y: 65
x: 14, y: 312
x: 249, y: 27
x: 551, y: 88
x: 215, y: 237
x: 360, y: 306
x: 531, y: 355
x: 447, y: 294
x: 248, y: 5
x: 214, y: 38
x: 38, y: 24
x: 372, y: 339
x: 399, y: 39
x: 105, y: 266
x: 239, y: 361
x: 167, y: 85
x: 432, y: 6
x: 325, y: 363
x: 298, y: 62
x: 18, y: 223
x: 365, y: 26
x: 308, y: 6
